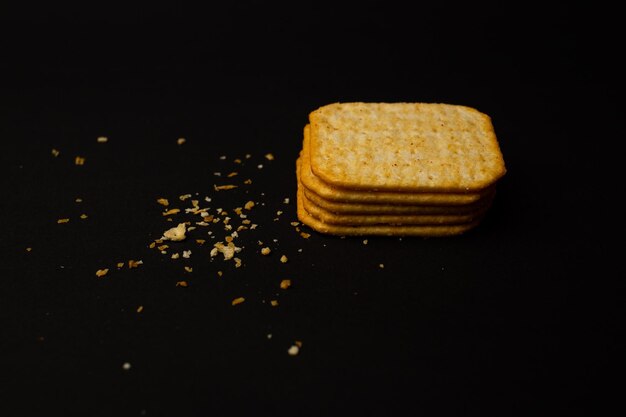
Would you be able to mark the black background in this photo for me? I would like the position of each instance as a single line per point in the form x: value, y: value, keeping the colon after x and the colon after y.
x: 520, y: 316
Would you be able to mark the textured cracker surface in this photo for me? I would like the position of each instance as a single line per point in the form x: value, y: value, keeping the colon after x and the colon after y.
x: 406, y: 230
x: 346, y: 195
x: 404, y: 147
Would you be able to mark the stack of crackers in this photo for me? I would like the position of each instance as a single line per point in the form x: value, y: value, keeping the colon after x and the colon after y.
x: 397, y: 169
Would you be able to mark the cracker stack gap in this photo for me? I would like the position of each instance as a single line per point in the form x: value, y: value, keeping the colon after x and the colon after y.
x: 397, y: 169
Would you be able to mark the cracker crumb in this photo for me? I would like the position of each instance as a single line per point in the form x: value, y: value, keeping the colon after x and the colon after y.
x: 171, y: 211
x: 182, y: 284
x: 175, y: 233
x: 29, y: 249
x: 284, y: 284
x: 293, y: 350
x: 180, y: 141
x: 55, y: 152
x: 102, y: 139
x: 286, y: 201
x: 78, y: 200
x: 126, y: 366
x: 200, y: 241
x: 224, y: 187
x: 139, y: 309
x: 134, y: 264
x: 61, y: 221
x: 186, y: 254
x: 102, y: 272
x: 365, y: 241
x: 381, y: 266
x: 175, y: 255
x: 83, y: 216
x: 269, y: 156
x: 238, y: 300
x: 274, y: 303
x: 305, y: 235
x: 220, y: 273
x: 249, y: 205
x: 248, y: 181
x: 163, y: 201
x: 232, y: 174
x: 120, y: 265
x: 265, y: 251
x: 188, y: 269
x: 283, y: 259
x: 79, y: 160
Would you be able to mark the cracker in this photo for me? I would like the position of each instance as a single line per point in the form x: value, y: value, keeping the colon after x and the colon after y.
x: 417, y: 147
x: 380, y: 230
x: 387, y: 219
x: 346, y: 195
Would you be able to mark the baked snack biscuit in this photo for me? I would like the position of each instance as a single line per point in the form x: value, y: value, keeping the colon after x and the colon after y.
x: 414, y: 169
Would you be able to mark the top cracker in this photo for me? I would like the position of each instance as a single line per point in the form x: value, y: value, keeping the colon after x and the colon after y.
x: 413, y: 147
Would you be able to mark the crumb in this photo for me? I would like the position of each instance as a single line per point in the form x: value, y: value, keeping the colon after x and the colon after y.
x: 180, y: 141
x: 102, y: 272
x: 269, y: 157
x: 83, y: 216
x: 175, y: 233
x: 232, y: 174
x: 293, y: 350
x: 238, y: 300
x: 381, y: 266
x: 274, y: 303
x: 55, y: 152
x: 78, y: 200
x: 139, y: 309
x: 224, y: 187
x: 283, y: 259
x: 248, y: 181
x: 120, y: 265
x: 249, y: 205
x: 182, y: 284
x: 163, y: 247
x: 134, y: 264
x: 265, y: 251
x: 365, y: 241
x: 295, y: 223
x: 29, y: 249
x: 163, y: 202
x: 237, y: 262
x: 220, y: 273
x: 79, y: 160
x: 188, y: 269
x: 102, y: 139
x: 175, y: 255
x: 184, y: 197
x: 186, y: 254
x: 171, y: 211
x: 305, y: 235
x: 126, y: 366
x: 286, y: 201
x: 200, y: 241
x: 284, y: 284
x: 61, y: 221
x: 260, y: 166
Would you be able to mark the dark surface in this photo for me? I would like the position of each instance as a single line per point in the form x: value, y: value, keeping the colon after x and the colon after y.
x: 520, y: 316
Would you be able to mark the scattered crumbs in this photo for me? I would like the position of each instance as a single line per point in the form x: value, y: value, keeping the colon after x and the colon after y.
x: 188, y: 269
x: 79, y: 160
x: 224, y: 187
x: 248, y: 181
x: 249, y: 205
x: 274, y: 303
x: 102, y: 139
x: 269, y: 156
x: 139, y: 309
x: 182, y: 284
x: 102, y: 272
x: 180, y: 141
x: 61, y: 221
x: 55, y: 152
x: 83, y: 216
x: 184, y: 197
x: 163, y: 202
x: 175, y: 233
x: 162, y: 247
x: 29, y: 249
x: 365, y: 241
x: 126, y: 366
x: 265, y: 251
x: 283, y: 259
x: 120, y: 265
x: 238, y: 300
x: 171, y: 211
x: 175, y: 255
x: 284, y: 284
x: 134, y: 264
x: 381, y: 266
x: 237, y: 262
x: 305, y: 235
x: 293, y: 350
x: 186, y: 254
